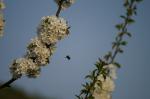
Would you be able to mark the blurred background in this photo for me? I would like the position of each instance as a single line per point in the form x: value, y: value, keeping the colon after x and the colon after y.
x: 92, y: 31
x: 18, y: 93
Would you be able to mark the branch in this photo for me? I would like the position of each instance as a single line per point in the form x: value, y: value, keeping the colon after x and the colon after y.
x: 121, y: 37
x: 7, y: 84
x: 88, y: 88
x: 59, y: 8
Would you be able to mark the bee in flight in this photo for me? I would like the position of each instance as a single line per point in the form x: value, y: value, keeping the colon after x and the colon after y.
x: 68, y: 57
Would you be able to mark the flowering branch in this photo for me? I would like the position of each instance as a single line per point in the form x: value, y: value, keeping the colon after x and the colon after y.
x: 101, y: 84
x: 2, y: 21
x: 41, y: 48
x: 123, y: 28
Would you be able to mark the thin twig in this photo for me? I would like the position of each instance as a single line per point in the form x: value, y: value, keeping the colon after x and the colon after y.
x: 7, y: 84
x: 116, y: 51
x: 59, y: 8
x: 121, y: 37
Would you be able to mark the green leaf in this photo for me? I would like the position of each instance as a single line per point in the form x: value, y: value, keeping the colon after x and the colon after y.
x: 129, y: 34
x: 139, y: 0
x: 133, y: 1
x: 129, y: 21
x: 89, y: 77
x: 123, y: 17
x: 86, y: 86
x: 94, y: 72
x: 77, y: 96
x: 98, y: 65
x: 119, y: 26
x: 117, y: 64
x: 84, y: 91
x: 124, y: 43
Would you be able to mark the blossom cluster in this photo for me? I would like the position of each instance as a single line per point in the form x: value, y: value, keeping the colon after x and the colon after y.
x: 65, y: 4
x: 2, y: 23
x: 39, y: 51
x: 105, y: 85
x: 52, y: 29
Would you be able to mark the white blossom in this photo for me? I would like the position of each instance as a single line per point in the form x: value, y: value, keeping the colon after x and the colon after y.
x: 105, y: 89
x: 107, y: 83
x: 105, y: 86
x: 41, y: 48
x: 65, y: 4
x: 1, y: 26
x: 112, y: 70
x: 38, y: 52
x: 2, y: 5
x: 24, y: 66
x: 102, y: 95
x: 2, y: 23
x: 52, y: 29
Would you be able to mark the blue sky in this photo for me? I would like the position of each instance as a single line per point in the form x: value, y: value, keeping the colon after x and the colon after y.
x: 92, y: 31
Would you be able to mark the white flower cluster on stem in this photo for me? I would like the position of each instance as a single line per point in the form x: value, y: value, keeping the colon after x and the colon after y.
x: 65, y: 4
x: 2, y: 23
x: 105, y: 85
x: 50, y: 30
